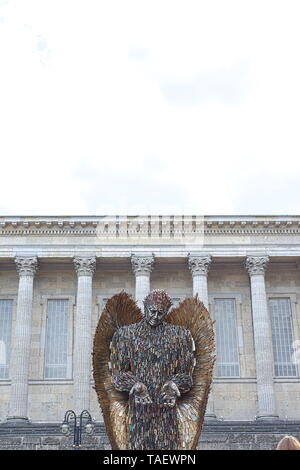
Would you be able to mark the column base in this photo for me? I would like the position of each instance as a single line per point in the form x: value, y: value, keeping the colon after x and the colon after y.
x: 16, y: 421
x: 267, y: 418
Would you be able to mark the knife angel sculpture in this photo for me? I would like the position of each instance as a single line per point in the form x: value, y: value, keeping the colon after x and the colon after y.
x: 153, y: 371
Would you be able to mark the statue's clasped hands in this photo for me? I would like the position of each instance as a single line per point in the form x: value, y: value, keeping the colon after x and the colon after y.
x: 141, y: 395
x: 169, y: 394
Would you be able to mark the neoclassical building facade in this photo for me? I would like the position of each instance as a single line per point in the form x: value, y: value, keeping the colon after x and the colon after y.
x: 56, y: 274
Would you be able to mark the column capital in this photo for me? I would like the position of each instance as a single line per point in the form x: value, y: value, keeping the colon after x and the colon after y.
x: 26, y: 265
x: 85, y: 265
x: 199, y: 264
x: 256, y: 264
x: 142, y: 264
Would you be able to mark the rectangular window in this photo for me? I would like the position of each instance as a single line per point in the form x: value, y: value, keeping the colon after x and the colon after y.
x: 6, y: 308
x: 282, y: 336
x: 56, y: 346
x: 227, y: 363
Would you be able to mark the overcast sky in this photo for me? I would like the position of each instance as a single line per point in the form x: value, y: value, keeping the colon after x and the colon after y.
x: 139, y: 107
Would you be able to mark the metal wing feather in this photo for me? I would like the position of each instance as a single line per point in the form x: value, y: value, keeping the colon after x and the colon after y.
x: 119, y: 310
x: 192, y: 314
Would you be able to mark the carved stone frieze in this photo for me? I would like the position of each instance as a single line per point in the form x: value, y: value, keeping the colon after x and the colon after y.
x: 149, y: 226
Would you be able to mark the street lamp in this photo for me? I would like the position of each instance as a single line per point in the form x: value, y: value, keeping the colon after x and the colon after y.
x: 77, y: 424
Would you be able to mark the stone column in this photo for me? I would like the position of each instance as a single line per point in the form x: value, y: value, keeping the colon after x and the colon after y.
x: 256, y: 266
x: 85, y: 267
x: 142, y: 266
x: 20, y: 354
x: 199, y: 266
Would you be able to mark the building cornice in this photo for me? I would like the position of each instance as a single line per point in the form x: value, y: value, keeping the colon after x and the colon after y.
x: 148, y: 226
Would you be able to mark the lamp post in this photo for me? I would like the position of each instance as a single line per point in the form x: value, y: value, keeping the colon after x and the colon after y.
x: 77, y: 424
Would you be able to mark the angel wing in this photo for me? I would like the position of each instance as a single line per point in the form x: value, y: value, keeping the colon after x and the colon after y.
x: 119, y: 310
x: 192, y: 314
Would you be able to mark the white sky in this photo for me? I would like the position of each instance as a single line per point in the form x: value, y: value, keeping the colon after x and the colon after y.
x: 137, y: 107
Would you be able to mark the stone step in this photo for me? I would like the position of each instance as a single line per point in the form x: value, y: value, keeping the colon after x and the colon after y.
x: 215, y: 427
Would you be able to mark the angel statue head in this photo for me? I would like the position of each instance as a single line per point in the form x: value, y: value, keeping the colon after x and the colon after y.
x: 157, y: 305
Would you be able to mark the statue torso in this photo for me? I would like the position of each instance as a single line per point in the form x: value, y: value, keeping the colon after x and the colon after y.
x: 153, y: 353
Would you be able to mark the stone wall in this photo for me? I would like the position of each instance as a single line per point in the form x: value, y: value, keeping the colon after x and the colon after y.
x: 234, y: 399
x: 218, y: 436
